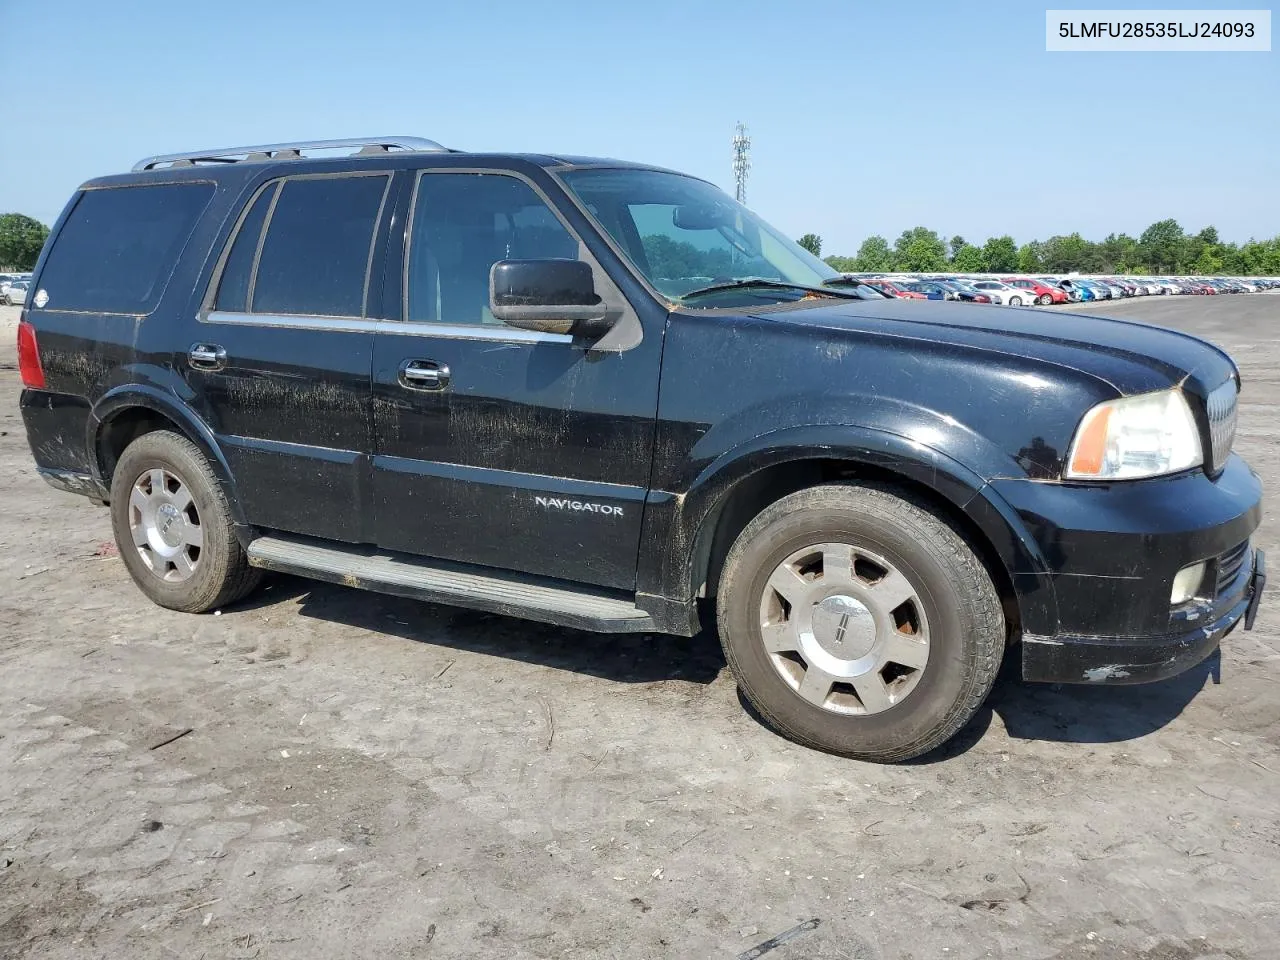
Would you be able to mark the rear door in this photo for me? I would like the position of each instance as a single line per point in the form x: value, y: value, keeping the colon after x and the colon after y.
x: 497, y: 446
x: 280, y: 369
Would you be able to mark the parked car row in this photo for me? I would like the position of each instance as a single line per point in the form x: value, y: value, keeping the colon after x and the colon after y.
x: 13, y: 288
x: 1015, y: 292
x: 1047, y: 290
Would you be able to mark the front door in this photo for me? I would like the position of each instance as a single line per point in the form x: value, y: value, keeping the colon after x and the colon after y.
x: 496, y: 446
x: 280, y: 362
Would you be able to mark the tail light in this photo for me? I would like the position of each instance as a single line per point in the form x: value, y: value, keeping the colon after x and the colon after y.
x: 29, y: 357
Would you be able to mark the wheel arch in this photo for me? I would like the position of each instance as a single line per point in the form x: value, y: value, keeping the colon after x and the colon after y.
x: 123, y: 415
x: 729, y: 498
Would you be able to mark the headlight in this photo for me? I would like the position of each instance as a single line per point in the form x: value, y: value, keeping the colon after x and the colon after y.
x: 1143, y: 436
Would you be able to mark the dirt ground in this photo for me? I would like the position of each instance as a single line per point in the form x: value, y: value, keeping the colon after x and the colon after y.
x: 372, y: 777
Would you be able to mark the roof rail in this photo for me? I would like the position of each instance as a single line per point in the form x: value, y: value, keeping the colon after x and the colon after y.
x: 364, y: 146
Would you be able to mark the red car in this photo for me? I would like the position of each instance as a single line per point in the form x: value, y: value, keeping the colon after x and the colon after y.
x: 896, y: 290
x: 1043, y: 293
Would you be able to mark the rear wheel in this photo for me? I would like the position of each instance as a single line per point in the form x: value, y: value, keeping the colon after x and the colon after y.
x: 858, y: 622
x: 173, y: 526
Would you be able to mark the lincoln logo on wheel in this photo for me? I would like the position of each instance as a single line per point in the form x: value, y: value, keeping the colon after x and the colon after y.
x: 844, y: 625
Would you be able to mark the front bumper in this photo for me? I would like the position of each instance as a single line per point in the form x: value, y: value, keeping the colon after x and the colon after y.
x: 1082, y: 659
x: 1111, y: 552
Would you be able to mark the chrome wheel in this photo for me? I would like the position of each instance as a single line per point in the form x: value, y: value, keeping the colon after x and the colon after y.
x: 165, y: 525
x: 844, y: 628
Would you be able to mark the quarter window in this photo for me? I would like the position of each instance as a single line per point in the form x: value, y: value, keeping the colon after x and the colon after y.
x: 464, y: 223
x: 119, y: 246
x: 319, y: 243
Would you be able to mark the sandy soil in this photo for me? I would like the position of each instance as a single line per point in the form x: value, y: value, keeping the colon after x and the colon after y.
x: 366, y: 776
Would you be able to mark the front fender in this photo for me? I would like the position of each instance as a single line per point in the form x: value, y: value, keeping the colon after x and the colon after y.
x: 686, y: 522
x: 119, y: 400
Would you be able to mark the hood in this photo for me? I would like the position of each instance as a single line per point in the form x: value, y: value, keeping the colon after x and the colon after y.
x: 1131, y: 357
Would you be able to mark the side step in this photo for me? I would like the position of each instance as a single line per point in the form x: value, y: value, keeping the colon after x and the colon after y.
x: 405, y: 575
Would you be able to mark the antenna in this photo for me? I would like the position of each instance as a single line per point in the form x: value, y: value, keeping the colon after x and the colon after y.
x: 741, y: 161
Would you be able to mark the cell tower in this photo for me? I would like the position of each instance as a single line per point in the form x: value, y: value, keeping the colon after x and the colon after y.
x: 741, y: 161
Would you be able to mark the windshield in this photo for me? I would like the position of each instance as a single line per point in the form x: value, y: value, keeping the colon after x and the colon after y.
x: 684, y: 234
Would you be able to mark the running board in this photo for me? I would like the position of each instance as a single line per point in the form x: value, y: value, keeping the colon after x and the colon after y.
x: 405, y: 575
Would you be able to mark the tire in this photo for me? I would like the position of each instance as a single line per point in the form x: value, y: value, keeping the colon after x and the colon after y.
x: 162, y: 489
x: 1044, y: 299
x: 954, y: 608
x: 1015, y: 301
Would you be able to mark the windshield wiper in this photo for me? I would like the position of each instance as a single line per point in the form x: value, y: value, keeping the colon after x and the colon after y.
x: 747, y: 282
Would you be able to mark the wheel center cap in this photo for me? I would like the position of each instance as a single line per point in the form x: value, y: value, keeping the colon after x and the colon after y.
x: 844, y: 627
x: 168, y: 522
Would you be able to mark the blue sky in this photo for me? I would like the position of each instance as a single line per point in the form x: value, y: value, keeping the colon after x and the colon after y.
x: 866, y: 117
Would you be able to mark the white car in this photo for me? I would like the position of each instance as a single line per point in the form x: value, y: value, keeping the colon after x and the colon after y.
x: 1003, y: 293
x: 16, y: 294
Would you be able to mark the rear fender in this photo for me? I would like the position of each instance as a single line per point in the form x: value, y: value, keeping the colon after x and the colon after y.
x: 120, y: 400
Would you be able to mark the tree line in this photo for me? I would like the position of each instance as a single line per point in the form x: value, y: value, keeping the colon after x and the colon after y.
x: 21, y: 238
x: 1163, y: 248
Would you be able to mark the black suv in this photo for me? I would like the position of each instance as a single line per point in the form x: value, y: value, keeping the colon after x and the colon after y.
x: 595, y: 393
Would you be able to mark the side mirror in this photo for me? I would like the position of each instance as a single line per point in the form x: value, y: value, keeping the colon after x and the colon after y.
x: 553, y: 296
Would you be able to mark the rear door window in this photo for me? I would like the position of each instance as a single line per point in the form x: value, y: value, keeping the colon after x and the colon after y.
x: 318, y: 247
x: 120, y: 245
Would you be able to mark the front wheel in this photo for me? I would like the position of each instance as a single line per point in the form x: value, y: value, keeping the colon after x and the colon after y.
x: 1015, y: 301
x: 859, y: 622
x: 1044, y: 300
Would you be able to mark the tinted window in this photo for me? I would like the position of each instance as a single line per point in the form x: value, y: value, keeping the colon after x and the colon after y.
x: 119, y: 247
x: 463, y: 223
x: 233, y: 288
x: 316, y: 253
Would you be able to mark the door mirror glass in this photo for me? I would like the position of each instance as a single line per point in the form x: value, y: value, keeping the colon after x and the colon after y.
x: 553, y: 296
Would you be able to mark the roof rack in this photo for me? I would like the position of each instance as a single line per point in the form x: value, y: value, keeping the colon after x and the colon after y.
x: 363, y: 147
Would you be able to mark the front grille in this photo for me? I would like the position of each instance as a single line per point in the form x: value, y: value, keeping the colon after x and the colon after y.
x: 1229, y: 565
x: 1222, y: 424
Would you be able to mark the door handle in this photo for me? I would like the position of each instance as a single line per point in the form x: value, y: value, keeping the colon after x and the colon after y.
x: 424, y: 375
x: 207, y: 356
